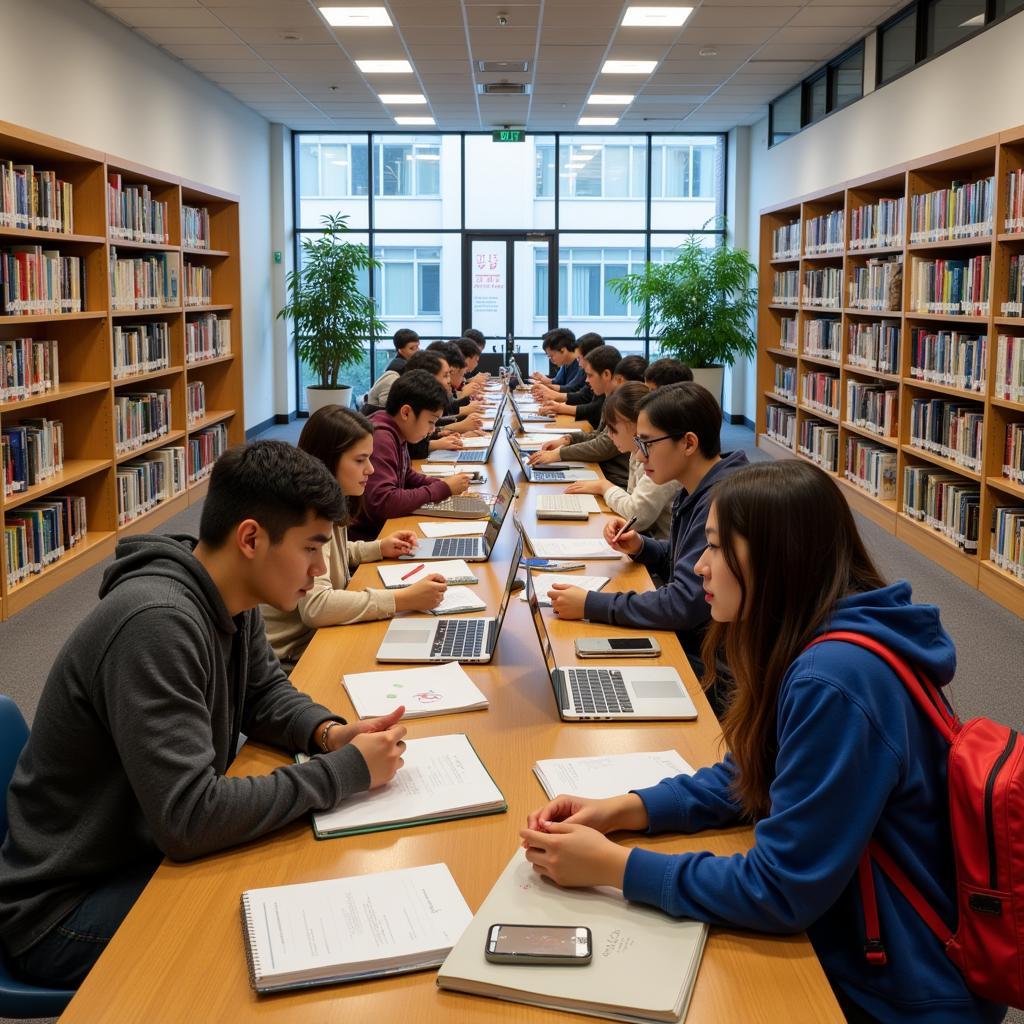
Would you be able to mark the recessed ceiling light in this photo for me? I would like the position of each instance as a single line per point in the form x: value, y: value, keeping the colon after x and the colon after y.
x: 384, y: 67
x: 610, y: 99
x: 628, y: 67
x: 584, y: 121
x: 707, y: 51
x: 414, y: 120
x: 652, y: 17
x: 356, y: 17
x: 399, y: 98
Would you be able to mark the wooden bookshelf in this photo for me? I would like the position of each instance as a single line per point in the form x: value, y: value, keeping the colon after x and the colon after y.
x: 994, y: 155
x: 83, y: 401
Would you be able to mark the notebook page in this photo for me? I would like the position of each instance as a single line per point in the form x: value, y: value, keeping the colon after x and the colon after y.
x: 433, y: 690
x: 608, y: 775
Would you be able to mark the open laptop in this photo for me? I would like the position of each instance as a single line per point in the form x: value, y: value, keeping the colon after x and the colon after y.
x: 472, y: 549
x: 524, y: 416
x: 474, y: 455
x: 609, y: 692
x: 466, y: 639
x: 552, y: 472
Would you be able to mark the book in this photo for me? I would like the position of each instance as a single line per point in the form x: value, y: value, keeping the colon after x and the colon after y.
x: 481, y: 443
x: 557, y: 502
x: 572, y: 547
x: 454, y: 570
x: 434, y: 690
x: 347, y: 929
x: 456, y: 600
x: 608, y: 774
x: 466, y: 528
x: 645, y: 962
x: 542, y: 583
x: 442, y: 779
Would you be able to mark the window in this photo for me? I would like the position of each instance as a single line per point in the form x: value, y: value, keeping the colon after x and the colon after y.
x: 816, y: 93
x: 950, y: 21
x: 784, y: 116
x: 897, y: 43
x: 596, y: 170
x: 408, y: 282
x: 584, y: 280
x: 407, y: 169
x: 846, y: 80
x: 1005, y: 7
x: 545, y: 156
x: 332, y: 169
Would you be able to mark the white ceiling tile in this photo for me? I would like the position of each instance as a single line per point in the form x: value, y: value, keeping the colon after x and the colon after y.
x: 820, y: 35
x: 244, y: 77
x: 274, y: 16
x: 761, y: 16
x: 301, y: 52
x: 165, y: 17
x: 857, y: 17
x: 734, y: 35
x: 208, y: 66
x: 803, y: 53
x: 107, y: 4
x: 208, y: 37
x: 192, y: 51
x: 308, y: 35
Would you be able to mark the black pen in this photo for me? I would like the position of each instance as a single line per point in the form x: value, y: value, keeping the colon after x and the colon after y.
x: 625, y: 527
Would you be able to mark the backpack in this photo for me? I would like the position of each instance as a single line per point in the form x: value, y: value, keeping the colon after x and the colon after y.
x: 986, y: 814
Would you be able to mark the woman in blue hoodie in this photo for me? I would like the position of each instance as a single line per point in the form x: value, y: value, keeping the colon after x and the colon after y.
x: 826, y: 751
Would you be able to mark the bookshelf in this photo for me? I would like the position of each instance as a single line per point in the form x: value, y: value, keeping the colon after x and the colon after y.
x: 85, y: 400
x: 925, y: 346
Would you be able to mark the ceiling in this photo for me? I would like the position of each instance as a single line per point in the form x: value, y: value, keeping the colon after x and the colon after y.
x: 281, y: 58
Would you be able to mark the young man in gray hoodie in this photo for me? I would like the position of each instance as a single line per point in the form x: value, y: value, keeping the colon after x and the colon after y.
x: 141, y: 716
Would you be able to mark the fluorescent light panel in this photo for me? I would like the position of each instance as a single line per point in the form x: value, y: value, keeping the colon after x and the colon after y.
x: 628, y: 67
x: 402, y: 98
x: 414, y: 120
x: 610, y: 99
x: 653, y: 17
x: 595, y: 121
x: 384, y: 67
x: 356, y: 17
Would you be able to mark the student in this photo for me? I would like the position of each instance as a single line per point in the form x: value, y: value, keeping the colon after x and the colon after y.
x: 581, y: 393
x: 599, y: 366
x: 630, y: 368
x: 478, y: 336
x: 595, y: 446
x: 406, y: 342
x: 414, y: 406
x: 422, y: 359
x: 142, y: 710
x: 342, y: 440
x: 476, y: 381
x: 677, y: 438
x: 663, y: 372
x: 827, y: 750
x: 651, y: 503
x: 560, y: 346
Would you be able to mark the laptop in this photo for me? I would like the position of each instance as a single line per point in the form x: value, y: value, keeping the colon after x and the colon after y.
x: 475, y: 455
x: 523, y: 416
x: 465, y: 639
x: 609, y: 693
x: 552, y: 472
x: 472, y: 549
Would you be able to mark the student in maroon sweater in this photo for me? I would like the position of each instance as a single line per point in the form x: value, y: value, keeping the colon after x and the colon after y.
x: 415, y: 403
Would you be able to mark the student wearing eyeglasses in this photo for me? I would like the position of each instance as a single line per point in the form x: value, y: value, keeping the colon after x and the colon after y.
x: 677, y: 438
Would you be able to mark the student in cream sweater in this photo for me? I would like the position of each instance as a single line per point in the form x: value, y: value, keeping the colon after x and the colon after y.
x: 343, y: 440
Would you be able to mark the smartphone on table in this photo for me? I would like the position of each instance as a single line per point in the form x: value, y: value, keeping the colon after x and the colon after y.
x: 552, y: 945
x: 617, y: 647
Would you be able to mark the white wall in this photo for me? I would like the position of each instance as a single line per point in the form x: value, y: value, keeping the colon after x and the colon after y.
x: 973, y: 90
x: 74, y: 72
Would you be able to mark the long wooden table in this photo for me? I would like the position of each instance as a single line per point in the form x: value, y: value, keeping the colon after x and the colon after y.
x: 179, y: 954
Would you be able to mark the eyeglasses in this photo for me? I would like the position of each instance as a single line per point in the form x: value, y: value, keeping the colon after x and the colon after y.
x: 643, y: 444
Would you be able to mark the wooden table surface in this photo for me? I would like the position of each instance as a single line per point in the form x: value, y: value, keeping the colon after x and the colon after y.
x: 179, y: 954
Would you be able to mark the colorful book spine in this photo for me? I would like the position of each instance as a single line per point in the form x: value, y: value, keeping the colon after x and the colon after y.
x: 198, y: 285
x: 952, y: 287
x: 149, y: 481
x: 780, y: 425
x: 1009, y: 382
x: 35, y: 200
x: 143, y: 282
x: 873, y: 407
x: 820, y: 391
x: 875, y: 345
x: 876, y: 284
x: 944, y: 502
x: 871, y: 467
x: 786, y: 287
x: 207, y: 337
x: 33, y: 452
x: 953, y: 430
x: 950, y: 358
x: 141, y: 348
x: 823, y: 287
x: 786, y: 242
x: 140, y: 418
x: 134, y: 215
x: 38, y: 534
x: 824, y: 234
x: 1007, y: 545
x: 787, y: 334
x: 28, y: 367
x: 820, y: 443
x: 785, y: 381
x: 964, y: 210
x: 1014, y: 304
x: 1013, y: 453
x: 204, y: 448
x: 195, y: 401
x: 38, y: 282
x: 195, y: 227
x: 879, y: 226
x: 1014, y: 221
x: 823, y: 338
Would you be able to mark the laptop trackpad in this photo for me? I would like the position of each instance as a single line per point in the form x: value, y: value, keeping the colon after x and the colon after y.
x: 409, y: 635
x: 655, y: 689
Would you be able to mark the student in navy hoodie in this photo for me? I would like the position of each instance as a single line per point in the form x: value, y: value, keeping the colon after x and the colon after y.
x: 827, y: 750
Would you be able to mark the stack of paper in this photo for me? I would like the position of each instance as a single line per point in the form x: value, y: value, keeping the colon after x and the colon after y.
x: 454, y: 570
x: 437, y: 690
x: 608, y: 775
x: 542, y: 582
x: 592, y: 548
x: 476, y: 442
x: 463, y: 528
x: 456, y: 600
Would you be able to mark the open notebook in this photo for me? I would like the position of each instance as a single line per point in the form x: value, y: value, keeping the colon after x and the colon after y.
x: 608, y: 774
x: 434, y: 690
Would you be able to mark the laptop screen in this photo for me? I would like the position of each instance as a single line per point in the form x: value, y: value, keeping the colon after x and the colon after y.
x: 517, y: 557
x: 499, y: 510
x: 538, y: 623
x: 517, y: 451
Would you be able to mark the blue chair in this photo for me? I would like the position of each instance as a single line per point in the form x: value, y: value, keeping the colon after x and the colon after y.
x: 17, y: 999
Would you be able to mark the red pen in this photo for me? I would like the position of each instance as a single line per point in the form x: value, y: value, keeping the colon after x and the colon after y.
x: 412, y: 572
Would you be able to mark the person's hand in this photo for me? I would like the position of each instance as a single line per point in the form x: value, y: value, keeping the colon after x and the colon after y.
x: 575, y: 856
x: 403, y: 542
x: 468, y: 423
x: 382, y: 752
x: 471, y: 407
x: 567, y: 601
x: 422, y: 595
x: 629, y: 543
x: 542, y: 458
x: 447, y: 443
x: 595, y: 487
x: 625, y: 813
x: 555, y: 443
x: 474, y: 433
x: 540, y: 392
x: 540, y: 378
x: 553, y: 409
x: 340, y: 735
x: 457, y: 482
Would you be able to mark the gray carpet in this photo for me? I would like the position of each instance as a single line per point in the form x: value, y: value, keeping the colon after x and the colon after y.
x: 988, y: 638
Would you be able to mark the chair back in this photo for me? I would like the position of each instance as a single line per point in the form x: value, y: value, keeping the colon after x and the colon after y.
x: 13, y: 735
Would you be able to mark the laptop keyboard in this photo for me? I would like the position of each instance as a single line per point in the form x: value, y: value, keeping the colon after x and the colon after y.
x: 458, y: 506
x: 548, y: 476
x: 456, y: 547
x: 598, y: 690
x: 472, y: 456
x: 459, y: 638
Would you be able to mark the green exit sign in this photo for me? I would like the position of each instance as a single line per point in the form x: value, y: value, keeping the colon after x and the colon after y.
x: 508, y: 135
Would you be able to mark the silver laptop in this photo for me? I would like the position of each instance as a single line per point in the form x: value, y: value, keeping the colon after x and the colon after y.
x: 475, y: 455
x: 472, y: 549
x: 467, y: 638
x: 552, y: 472
x: 609, y: 692
x: 524, y: 416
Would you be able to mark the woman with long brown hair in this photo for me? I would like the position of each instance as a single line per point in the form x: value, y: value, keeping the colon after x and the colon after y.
x: 826, y: 751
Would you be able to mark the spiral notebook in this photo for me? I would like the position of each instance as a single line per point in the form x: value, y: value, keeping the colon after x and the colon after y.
x: 347, y: 929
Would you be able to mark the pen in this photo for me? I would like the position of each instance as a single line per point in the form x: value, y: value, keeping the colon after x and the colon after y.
x: 624, y: 528
x: 412, y: 572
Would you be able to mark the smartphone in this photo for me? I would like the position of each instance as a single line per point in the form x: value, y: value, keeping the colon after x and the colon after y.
x: 550, y: 565
x: 617, y: 647
x: 552, y: 945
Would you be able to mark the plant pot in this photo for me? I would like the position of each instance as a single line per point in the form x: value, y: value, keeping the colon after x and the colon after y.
x: 711, y: 377
x: 317, y: 397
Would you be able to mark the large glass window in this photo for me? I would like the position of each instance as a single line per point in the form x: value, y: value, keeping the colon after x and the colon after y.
x: 332, y: 177
x: 610, y: 168
x: 897, y: 46
x: 950, y: 21
x: 784, y: 115
x: 847, y: 80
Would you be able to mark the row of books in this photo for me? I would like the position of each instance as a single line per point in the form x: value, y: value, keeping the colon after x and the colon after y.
x: 1013, y: 453
x: 207, y: 337
x: 955, y: 287
x: 824, y: 234
x: 198, y: 284
x: 148, y: 481
x: 871, y: 467
x: 820, y: 391
x: 786, y: 287
x: 37, y: 534
x: 1007, y: 546
x: 141, y: 348
x: 824, y: 338
x: 823, y: 287
x: 205, y: 447
x: 954, y: 430
x: 787, y: 334
x: 785, y: 381
x: 945, y: 502
x: 820, y: 443
x: 875, y: 345
x: 35, y: 200
x: 951, y: 358
x: 1014, y: 304
x: 148, y: 281
x: 786, y: 242
x: 963, y: 210
x: 134, y: 215
x: 1009, y: 380
x: 878, y: 226
x: 140, y: 418
x: 873, y: 407
x: 195, y: 227
x: 780, y: 425
x: 877, y: 284
x: 195, y: 401
x: 38, y: 282
x: 31, y: 452
x: 28, y: 366
x: 1015, y: 201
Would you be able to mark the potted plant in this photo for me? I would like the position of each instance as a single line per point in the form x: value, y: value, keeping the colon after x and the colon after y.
x: 332, y: 317
x: 700, y: 307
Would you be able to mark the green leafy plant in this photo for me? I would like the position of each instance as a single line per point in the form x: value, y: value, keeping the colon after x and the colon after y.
x: 700, y: 307
x: 332, y: 317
